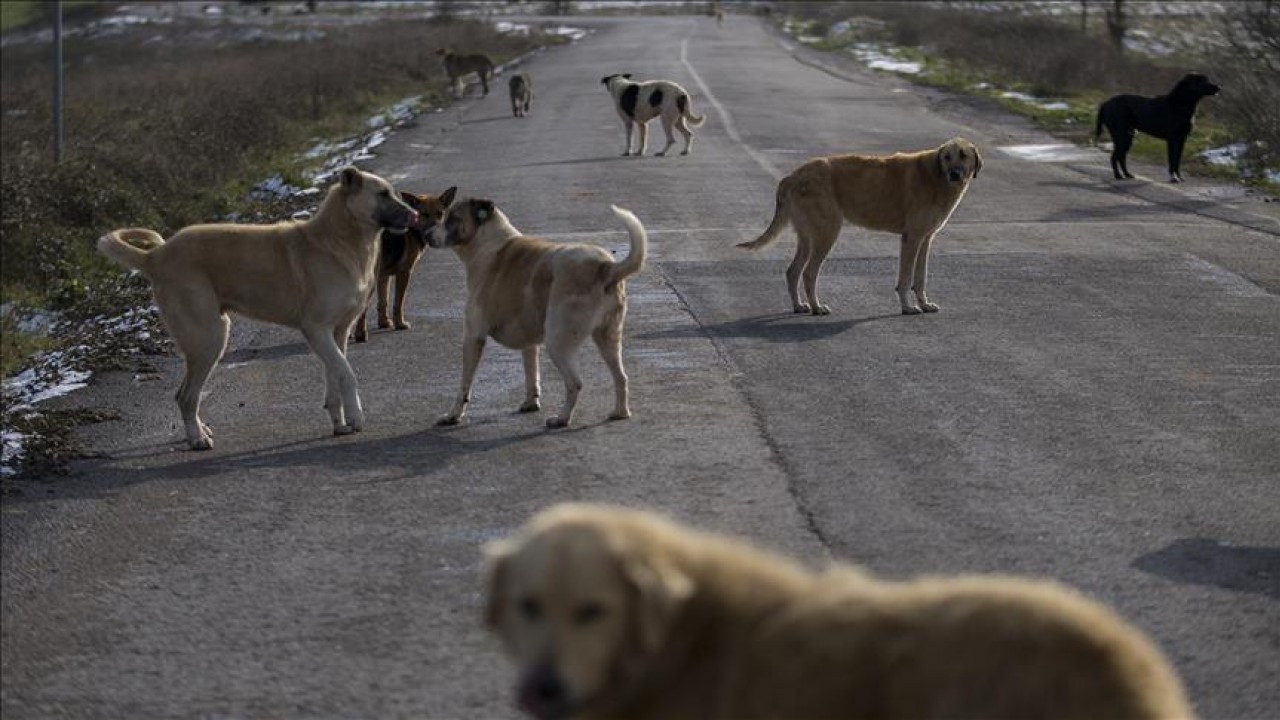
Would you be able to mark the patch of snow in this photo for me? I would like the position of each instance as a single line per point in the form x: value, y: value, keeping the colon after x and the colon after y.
x: 809, y: 39
x: 877, y: 59
x: 573, y: 33
x: 1225, y: 155
x: 841, y: 27
x: 511, y: 28
x: 11, y: 452
x: 1033, y: 100
x: 1053, y: 152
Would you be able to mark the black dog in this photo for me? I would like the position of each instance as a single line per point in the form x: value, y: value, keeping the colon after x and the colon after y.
x: 1167, y: 117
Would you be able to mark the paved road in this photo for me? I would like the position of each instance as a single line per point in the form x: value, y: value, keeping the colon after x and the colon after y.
x: 1098, y: 402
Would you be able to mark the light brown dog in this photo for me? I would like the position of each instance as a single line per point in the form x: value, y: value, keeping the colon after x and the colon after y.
x: 520, y: 87
x: 313, y: 275
x: 614, y: 613
x: 398, y: 257
x: 525, y: 291
x: 457, y: 66
x: 910, y: 194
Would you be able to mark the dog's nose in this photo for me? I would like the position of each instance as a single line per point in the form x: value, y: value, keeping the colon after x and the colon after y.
x: 414, y: 218
x: 542, y: 690
x: 954, y: 175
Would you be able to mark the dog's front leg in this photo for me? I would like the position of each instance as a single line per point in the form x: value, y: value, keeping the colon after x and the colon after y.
x: 907, y: 255
x: 342, y: 399
x: 532, y: 380
x: 630, y: 126
x: 1174, y: 150
x: 922, y: 275
x: 402, y: 288
x: 384, y: 290
x: 472, y: 349
x: 644, y: 137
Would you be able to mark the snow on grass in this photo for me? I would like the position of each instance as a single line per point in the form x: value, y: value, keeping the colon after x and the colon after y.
x: 881, y: 58
x: 1033, y: 100
x: 1226, y: 155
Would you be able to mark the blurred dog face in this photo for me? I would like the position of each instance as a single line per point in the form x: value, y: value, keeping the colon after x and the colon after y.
x: 372, y: 199
x: 959, y: 160
x: 430, y: 209
x: 1194, y: 86
x: 461, y: 223
x: 578, y: 610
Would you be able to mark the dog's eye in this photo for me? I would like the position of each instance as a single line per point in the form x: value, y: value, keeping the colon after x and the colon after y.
x: 588, y: 613
x: 531, y: 609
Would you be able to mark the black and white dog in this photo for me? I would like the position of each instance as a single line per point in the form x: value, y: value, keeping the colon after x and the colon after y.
x: 638, y: 103
x: 1168, y: 117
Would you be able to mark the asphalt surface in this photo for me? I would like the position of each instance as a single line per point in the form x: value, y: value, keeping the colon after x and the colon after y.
x: 1097, y: 402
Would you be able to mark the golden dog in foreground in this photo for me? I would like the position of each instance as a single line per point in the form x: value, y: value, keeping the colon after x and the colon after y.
x: 909, y: 194
x: 615, y: 613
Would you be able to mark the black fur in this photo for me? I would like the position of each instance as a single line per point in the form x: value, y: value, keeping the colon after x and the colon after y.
x: 682, y: 104
x: 1168, y: 117
x: 628, y: 100
x: 655, y: 98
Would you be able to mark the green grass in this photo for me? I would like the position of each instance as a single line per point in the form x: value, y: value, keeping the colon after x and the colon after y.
x: 16, y: 13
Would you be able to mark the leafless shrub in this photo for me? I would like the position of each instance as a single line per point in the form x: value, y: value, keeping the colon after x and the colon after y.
x: 1249, y: 72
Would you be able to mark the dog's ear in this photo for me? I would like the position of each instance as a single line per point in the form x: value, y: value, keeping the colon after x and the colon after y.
x: 977, y: 161
x: 660, y: 592
x: 351, y: 178
x: 497, y: 555
x: 942, y: 167
x: 626, y: 75
x: 481, y: 210
x: 446, y: 197
x: 605, y: 80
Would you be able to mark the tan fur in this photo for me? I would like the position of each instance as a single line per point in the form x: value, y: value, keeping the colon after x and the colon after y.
x: 620, y: 614
x: 524, y: 292
x: 314, y: 275
x: 459, y: 66
x: 909, y: 194
x: 400, y: 265
x: 520, y: 87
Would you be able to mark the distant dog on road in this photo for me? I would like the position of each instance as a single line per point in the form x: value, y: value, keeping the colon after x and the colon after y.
x: 525, y: 292
x: 911, y: 194
x: 521, y: 87
x: 456, y: 66
x: 617, y: 613
x: 1168, y: 117
x: 313, y: 275
x: 638, y: 103
x: 399, y: 256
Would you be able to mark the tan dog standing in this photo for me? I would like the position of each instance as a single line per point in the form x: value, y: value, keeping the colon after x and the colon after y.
x: 397, y: 258
x: 313, y: 275
x: 909, y: 194
x: 615, y: 613
x: 525, y: 292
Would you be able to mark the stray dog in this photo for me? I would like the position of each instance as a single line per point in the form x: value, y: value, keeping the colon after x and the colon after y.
x: 1168, y: 117
x: 521, y: 86
x: 313, y: 275
x: 616, y: 613
x: 456, y: 66
x: 526, y: 291
x: 912, y: 194
x: 399, y: 255
x: 638, y: 103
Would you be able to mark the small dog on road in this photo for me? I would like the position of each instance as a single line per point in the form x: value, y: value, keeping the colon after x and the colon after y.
x: 525, y: 291
x: 1168, y: 117
x: 399, y: 256
x: 617, y: 613
x: 521, y: 87
x: 313, y: 275
x: 911, y: 194
x: 638, y: 103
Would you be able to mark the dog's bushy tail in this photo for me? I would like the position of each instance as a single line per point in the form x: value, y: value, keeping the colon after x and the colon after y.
x: 781, y: 216
x: 639, y: 248
x: 130, y: 247
x: 682, y: 104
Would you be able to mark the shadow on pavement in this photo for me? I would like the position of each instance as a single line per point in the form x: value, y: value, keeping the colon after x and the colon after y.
x: 1201, y: 561
x: 773, y: 328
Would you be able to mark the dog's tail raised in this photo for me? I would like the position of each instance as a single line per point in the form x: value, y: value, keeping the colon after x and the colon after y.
x: 130, y: 247
x: 639, y: 248
x: 781, y: 215
x: 682, y: 104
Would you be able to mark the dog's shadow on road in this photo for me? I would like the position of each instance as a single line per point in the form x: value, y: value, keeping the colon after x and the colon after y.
x: 776, y: 328
x: 1201, y: 561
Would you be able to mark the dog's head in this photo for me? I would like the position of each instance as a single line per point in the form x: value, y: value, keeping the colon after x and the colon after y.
x: 372, y: 201
x: 609, y: 80
x: 580, y: 602
x: 1194, y: 86
x: 959, y: 161
x: 430, y: 209
x: 462, y: 221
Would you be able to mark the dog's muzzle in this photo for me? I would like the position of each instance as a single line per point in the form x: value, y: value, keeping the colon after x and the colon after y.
x: 955, y: 176
x: 543, y: 694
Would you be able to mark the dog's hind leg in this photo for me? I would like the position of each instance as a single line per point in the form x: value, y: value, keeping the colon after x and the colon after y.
x: 608, y: 338
x: 402, y: 289
x: 671, y: 138
x: 384, y: 290
x: 644, y: 137
x: 820, y: 234
x: 794, y: 271
x: 566, y: 331
x: 921, y: 274
x: 683, y: 127
x: 532, y: 380
x: 1121, y: 141
x: 472, y: 349
x: 200, y: 332
x: 342, y: 398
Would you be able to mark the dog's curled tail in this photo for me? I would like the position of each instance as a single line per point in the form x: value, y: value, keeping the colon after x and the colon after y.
x: 780, y: 218
x: 639, y: 247
x: 130, y: 247
x: 682, y: 104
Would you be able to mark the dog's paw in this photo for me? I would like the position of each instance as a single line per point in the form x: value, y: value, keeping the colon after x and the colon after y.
x: 530, y: 406
x: 911, y: 310
x: 403, y: 325
x: 204, y: 443
x: 208, y: 431
x: 448, y: 421
x: 339, y: 430
x: 930, y: 307
x: 620, y: 415
x: 384, y: 322
x: 821, y: 309
x: 684, y: 152
x: 1175, y: 179
x: 660, y: 154
x: 801, y: 308
x: 557, y: 422
x: 626, y: 153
